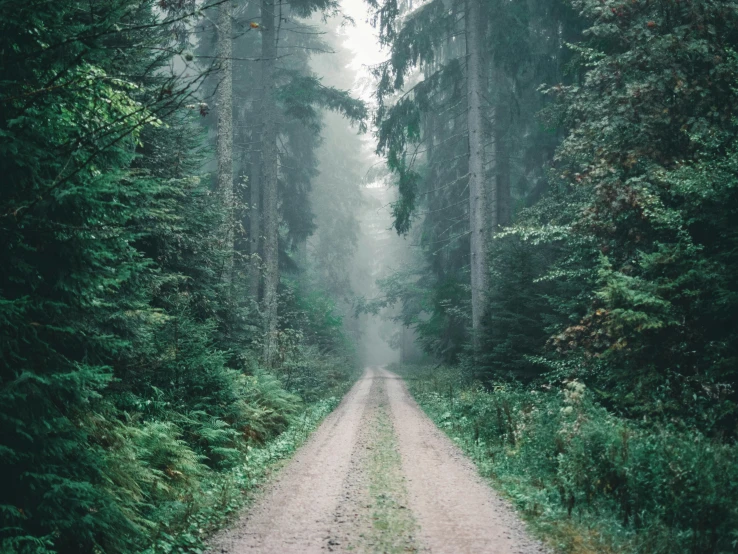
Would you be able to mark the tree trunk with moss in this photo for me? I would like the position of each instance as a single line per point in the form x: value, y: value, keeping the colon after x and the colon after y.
x: 269, y: 183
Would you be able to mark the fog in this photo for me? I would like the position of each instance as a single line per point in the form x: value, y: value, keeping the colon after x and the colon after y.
x: 377, y: 249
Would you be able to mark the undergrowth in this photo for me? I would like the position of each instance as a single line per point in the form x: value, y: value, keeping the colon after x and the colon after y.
x: 219, y: 495
x: 588, y: 481
x: 209, y: 476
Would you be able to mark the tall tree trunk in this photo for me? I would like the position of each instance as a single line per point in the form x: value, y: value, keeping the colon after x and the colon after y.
x: 270, y: 168
x: 255, y: 203
x: 224, y: 143
x: 478, y: 212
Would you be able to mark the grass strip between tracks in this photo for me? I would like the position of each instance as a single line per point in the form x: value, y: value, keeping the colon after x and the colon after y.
x: 393, y: 525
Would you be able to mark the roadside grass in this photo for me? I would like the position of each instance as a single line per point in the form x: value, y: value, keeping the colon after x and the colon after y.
x: 585, y: 480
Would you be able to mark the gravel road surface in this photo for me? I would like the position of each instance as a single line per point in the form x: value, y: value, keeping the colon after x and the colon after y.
x: 378, y: 477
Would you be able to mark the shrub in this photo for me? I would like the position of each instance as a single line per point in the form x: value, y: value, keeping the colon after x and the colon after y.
x: 561, y: 456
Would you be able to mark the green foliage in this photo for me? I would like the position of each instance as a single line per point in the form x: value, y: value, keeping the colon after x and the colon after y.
x: 72, y: 285
x: 637, y: 292
x: 303, y: 100
x: 519, y: 319
x: 422, y: 131
x: 302, y: 95
x: 133, y: 412
x: 317, y: 356
x: 212, y: 500
x: 588, y: 480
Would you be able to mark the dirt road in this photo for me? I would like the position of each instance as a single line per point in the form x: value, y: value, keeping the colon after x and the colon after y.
x: 379, y: 477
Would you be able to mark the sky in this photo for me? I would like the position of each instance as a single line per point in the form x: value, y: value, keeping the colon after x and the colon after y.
x: 379, y: 248
x: 361, y: 43
x: 361, y: 39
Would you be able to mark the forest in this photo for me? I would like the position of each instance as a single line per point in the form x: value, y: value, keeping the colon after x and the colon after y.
x: 215, y: 214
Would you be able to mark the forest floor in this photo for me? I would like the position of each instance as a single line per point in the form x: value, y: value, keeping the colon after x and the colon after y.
x: 378, y: 476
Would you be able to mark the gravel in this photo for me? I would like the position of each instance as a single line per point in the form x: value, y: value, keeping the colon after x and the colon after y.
x: 348, y: 490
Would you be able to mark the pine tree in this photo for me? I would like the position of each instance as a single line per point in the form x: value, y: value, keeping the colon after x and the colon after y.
x: 457, y: 122
x: 654, y: 112
x: 129, y: 355
x: 74, y: 288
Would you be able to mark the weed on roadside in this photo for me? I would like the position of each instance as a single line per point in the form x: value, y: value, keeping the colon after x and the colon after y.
x: 586, y: 480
